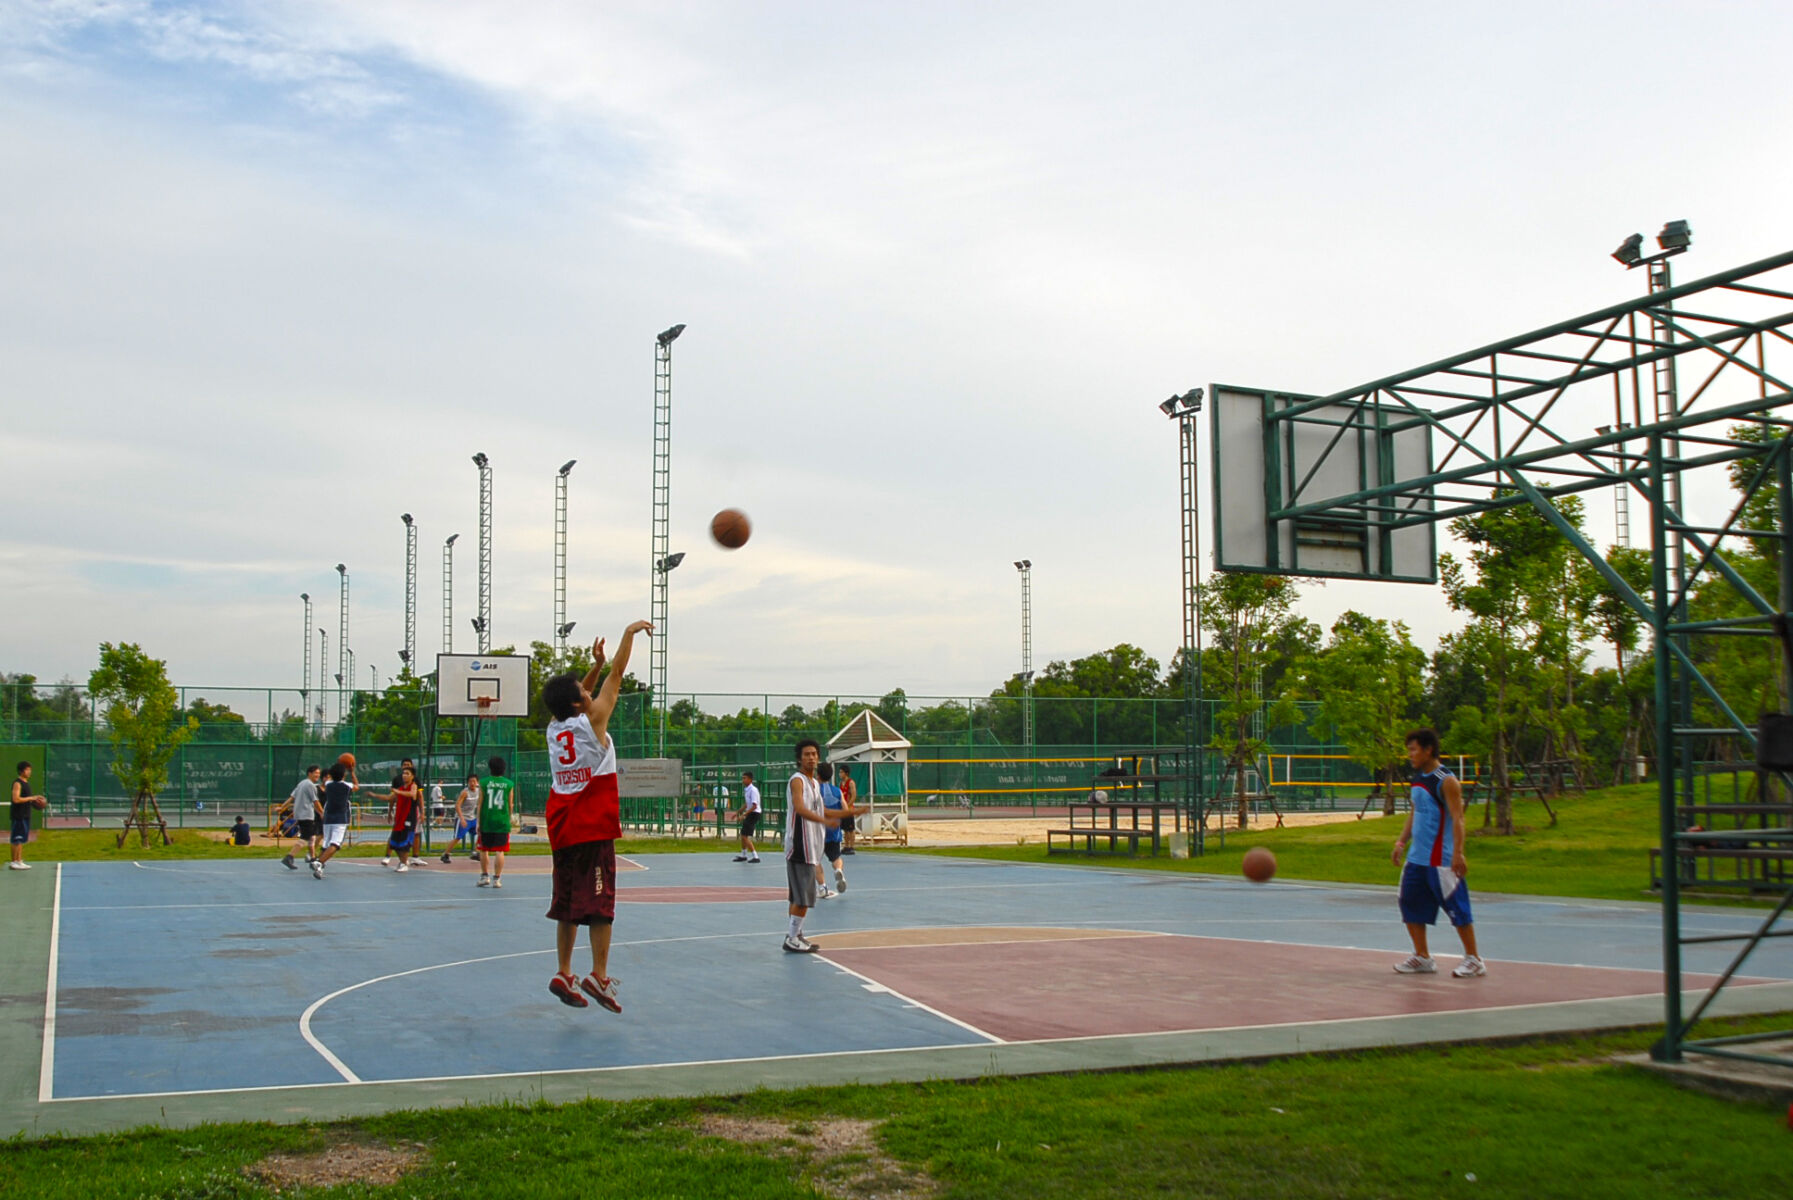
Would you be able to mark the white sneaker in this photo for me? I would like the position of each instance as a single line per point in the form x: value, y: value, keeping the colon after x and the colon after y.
x: 840, y: 880
x: 317, y: 869
x: 19, y: 866
x: 402, y: 868
x: 484, y: 881
x: 387, y: 861
x: 826, y: 893
x: 1472, y: 967
x: 1413, y: 964
x: 798, y: 946
x: 497, y: 882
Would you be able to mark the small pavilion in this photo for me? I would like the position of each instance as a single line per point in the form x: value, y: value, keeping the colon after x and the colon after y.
x: 878, y: 759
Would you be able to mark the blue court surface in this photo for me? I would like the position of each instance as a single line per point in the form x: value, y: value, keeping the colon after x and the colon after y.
x: 213, y: 976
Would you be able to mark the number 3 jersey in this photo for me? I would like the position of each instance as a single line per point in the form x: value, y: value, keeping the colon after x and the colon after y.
x: 582, y: 799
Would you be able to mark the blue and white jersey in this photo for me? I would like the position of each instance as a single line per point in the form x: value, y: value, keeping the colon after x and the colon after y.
x: 1431, y: 820
x: 831, y: 798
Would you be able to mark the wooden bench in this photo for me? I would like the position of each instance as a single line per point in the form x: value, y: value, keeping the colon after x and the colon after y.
x: 1089, y: 834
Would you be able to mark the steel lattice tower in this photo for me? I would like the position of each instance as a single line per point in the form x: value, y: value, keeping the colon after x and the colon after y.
x: 1025, y: 566
x: 448, y: 594
x: 323, y: 671
x: 560, y: 557
x: 342, y: 636
x: 1186, y: 410
x: 409, y: 654
x: 662, y: 560
x: 482, y: 624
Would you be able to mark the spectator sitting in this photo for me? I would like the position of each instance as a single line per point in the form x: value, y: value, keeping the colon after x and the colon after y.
x: 239, y: 833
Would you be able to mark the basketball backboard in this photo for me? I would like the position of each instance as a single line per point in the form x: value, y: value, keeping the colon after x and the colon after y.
x: 463, y: 680
x: 1265, y: 463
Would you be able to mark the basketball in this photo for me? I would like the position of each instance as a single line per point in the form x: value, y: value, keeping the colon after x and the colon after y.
x: 347, y: 760
x: 1259, y: 864
x: 730, y: 528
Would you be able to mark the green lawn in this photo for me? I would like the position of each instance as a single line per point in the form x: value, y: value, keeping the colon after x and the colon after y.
x: 1537, y: 1119
x: 1599, y: 849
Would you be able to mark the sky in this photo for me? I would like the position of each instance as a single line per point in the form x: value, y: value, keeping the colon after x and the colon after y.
x: 273, y: 272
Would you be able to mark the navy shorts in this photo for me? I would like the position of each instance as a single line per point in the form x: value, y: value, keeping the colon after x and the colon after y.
x: 401, y: 839
x: 831, y: 851
x: 1425, y: 890
x: 21, y: 830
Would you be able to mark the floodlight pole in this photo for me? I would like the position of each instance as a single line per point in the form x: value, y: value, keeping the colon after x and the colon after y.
x: 323, y: 670
x: 342, y: 634
x: 662, y: 528
x: 448, y: 594
x: 305, y: 672
x: 348, y: 681
x: 484, y: 626
x: 560, y: 557
x: 1186, y: 410
x: 410, y: 654
x: 1025, y: 567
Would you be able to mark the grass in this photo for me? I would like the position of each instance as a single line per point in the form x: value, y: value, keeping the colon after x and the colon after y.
x: 1535, y: 1119
x: 1599, y: 849
x: 100, y: 845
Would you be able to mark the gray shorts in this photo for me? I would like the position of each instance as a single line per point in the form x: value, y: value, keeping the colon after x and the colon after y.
x: 800, y: 877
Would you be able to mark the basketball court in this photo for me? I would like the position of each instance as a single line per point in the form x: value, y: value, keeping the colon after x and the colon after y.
x: 214, y: 990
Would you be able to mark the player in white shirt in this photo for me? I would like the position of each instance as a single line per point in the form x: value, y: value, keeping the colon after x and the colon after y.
x: 585, y: 819
x: 750, y: 818
x: 804, y: 820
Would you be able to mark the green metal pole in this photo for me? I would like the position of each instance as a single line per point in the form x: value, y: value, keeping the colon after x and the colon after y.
x: 1668, y: 1049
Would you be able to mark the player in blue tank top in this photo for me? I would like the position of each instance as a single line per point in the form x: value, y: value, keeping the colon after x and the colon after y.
x: 1433, y: 873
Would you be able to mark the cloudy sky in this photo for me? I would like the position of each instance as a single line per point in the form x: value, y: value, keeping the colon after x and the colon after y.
x: 273, y: 271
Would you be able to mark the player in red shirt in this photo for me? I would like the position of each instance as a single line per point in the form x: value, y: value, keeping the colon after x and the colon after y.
x: 404, y: 816
x: 585, y: 819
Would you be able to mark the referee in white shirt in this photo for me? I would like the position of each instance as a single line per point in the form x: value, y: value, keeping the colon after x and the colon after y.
x: 750, y: 818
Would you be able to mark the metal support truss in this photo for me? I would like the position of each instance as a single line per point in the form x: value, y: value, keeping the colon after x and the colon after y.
x: 448, y: 594
x: 409, y: 657
x: 342, y: 639
x: 1515, y: 424
x: 1194, y: 743
x: 662, y: 560
x: 482, y: 625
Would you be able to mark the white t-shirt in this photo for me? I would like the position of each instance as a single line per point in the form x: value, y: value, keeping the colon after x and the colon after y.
x: 576, y: 754
x: 796, y: 827
x: 750, y: 798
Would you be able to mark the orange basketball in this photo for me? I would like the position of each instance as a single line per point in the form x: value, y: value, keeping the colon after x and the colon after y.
x: 347, y: 760
x: 730, y: 528
x: 1259, y: 865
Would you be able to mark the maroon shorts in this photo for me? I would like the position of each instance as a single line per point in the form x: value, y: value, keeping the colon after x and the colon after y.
x: 584, y: 883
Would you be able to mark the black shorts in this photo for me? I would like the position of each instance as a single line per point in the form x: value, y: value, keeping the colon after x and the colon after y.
x: 831, y: 850
x: 750, y: 824
x: 584, y: 884
x: 495, y: 841
x: 310, y: 829
x: 21, y: 830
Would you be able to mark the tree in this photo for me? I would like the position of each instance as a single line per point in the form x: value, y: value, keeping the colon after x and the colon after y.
x: 1367, y: 682
x: 141, y: 710
x: 1255, y: 633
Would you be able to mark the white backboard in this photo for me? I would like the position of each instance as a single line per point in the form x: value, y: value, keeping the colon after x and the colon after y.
x: 462, y: 679
x: 1260, y: 466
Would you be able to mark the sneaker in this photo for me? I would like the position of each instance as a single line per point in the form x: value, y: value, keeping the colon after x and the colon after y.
x: 840, y: 880
x: 604, y: 993
x: 289, y: 864
x: 19, y: 866
x: 1413, y: 964
x: 1471, y: 967
x: 566, y: 990
x: 387, y: 861
x: 497, y: 882
x: 445, y: 857
x: 484, y: 881
x: 402, y: 868
x: 754, y: 859
x: 827, y: 893
x: 472, y: 856
x: 317, y: 869
x: 849, y: 850
x: 740, y: 858
x: 798, y: 945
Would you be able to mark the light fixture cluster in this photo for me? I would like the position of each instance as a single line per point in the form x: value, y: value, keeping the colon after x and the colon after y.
x: 1675, y: 237
x: 1188, y: 403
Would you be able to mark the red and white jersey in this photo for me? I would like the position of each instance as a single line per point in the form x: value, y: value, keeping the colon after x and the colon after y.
x: 583, y: 803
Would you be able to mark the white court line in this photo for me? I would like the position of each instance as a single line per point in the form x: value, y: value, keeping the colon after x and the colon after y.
x: 887, y: 990
x: 46, y: 1071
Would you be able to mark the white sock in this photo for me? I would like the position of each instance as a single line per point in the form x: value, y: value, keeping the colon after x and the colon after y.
x: 796, y: 927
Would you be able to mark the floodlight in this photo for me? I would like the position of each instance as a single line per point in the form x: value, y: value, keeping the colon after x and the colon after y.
x: 339, y: 679
x: 341, y: 570
x: 568, y: 467
x: 306, y: 596
x: 567, y: 628
x: 1631, y: 250
x: 1603, y: 430
x: 670, y: 561
x: 479, y: 460
x: 1169, y: 407
x: 479, y: 626
x: 451, y: 539
x: 671, y: 335
x: 405, y: 517
x: 1676, y: 235
x: 404, y: 656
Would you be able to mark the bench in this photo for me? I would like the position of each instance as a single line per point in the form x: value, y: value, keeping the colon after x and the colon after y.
x: 1774, y: 873
x: 1089, y: 834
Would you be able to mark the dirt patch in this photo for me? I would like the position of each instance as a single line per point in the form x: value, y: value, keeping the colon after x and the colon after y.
x: 840, y: 1155
x: 345, y: 1163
